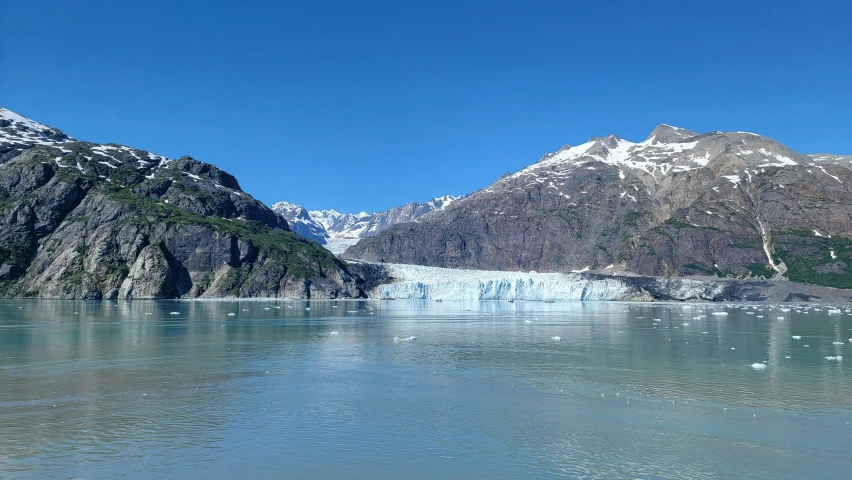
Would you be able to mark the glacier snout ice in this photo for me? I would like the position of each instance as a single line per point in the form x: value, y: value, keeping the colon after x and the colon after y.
x: 419, y: 282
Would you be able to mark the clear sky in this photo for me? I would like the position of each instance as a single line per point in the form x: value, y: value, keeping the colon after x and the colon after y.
x: 366, y: 104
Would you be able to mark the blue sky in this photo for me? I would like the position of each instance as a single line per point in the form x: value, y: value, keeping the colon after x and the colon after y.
x: 363, y: 105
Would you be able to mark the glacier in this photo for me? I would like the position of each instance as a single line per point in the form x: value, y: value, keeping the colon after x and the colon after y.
x: 421, y: 282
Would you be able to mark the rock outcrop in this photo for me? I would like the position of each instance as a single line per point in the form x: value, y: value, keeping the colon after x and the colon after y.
x: 88, y: 221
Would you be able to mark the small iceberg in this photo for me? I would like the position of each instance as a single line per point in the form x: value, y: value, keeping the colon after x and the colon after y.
x: 834, y: 312
x: 685, y: 324
x: 758, y: 366
x: 333, y: 333
x: 838, y: 358
x: 719, y: 313
x: 556, y: 338
x: 528, y: 321
x: 174, y: 313
x: 838, y: 343
x: 231, y: 314
x: 797, y: 337
x: 404, y: 339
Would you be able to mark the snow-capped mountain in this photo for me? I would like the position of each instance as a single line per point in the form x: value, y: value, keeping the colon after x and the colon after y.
x: 677, y: 203
x: 338, y: 231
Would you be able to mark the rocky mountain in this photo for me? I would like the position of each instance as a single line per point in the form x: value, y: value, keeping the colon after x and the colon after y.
x: 87, y: 221
x: 679, y: 203
x: 337, y: 231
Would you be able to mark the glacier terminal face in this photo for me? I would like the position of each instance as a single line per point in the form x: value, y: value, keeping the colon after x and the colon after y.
x: 420, y: 282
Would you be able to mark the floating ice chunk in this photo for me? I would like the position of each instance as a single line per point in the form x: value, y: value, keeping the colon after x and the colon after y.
x: 780, y: 318
x: 719, y: 313
x: 806, y: 346
x: 231, y: 314
x: 705, y: 333
x: 556, y: 338
x: 733, y: 348
x: 797, y: 337
x: 307, y: 308
x: 404, y: 339
x: 658, y: 319
x: 838, y: 358
x: 174, y: 313
x: 787, y: 356
x: 758, y: 366
x: 528, y: 321
x: 333, y: 333
x: 685, y: 324
x: 834, y: 312
x: 838, y: 343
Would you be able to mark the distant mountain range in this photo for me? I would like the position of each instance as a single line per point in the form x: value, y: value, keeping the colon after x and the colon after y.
x: 89, y: 221
x: 338, y: 231
x: 679, y: 203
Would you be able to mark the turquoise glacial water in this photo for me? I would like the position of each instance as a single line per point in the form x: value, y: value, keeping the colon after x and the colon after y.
x: 338, y: 389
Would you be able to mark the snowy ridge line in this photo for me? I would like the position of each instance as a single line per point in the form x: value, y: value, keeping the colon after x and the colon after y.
x: 17, y: 130
x: 338, y: 231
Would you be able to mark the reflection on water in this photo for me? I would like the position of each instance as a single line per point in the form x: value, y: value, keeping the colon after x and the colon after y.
x: 259, y: 389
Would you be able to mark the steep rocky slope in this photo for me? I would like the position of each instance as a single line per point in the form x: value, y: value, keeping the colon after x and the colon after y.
x: 82, y: 220
x: 337, y: 231
x: 730, y: 204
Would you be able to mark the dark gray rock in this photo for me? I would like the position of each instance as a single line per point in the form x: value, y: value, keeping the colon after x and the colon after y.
x: 88, y: 221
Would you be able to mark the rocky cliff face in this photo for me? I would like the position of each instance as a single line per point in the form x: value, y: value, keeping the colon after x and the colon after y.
x: 677, y: 204
x: 337, y: 231
x: 88, y: 221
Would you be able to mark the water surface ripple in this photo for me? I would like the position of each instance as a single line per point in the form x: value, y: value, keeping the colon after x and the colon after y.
x: 340, y: 389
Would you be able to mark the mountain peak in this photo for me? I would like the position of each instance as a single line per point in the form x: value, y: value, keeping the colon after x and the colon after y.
x: 609, y: 141
x: 663, y: 133
x: 18, y: 129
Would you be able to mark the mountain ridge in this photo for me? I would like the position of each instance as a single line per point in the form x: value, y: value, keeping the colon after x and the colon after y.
x: 676, y: 204
x: 337, y: 231
x: 89, y: 221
